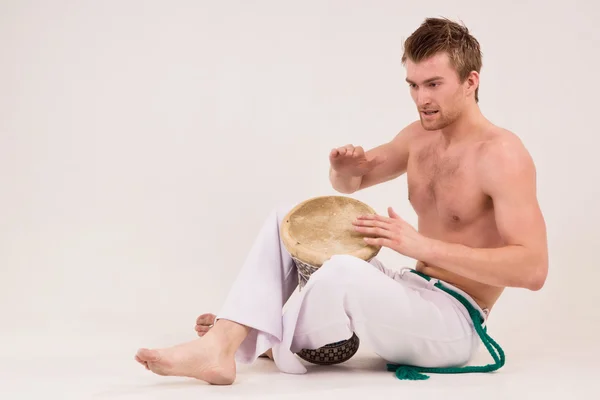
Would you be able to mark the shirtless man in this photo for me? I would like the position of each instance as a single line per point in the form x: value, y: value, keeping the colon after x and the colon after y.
x: 471, y: 183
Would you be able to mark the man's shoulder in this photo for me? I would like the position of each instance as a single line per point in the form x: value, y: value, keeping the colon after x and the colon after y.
x: 409, y: 134
x: 502, y: 152
x: 501, y: 146
x: 411, y: 130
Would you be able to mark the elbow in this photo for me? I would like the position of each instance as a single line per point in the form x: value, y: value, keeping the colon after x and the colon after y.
x: 538, y: 276
x: 536, y: 284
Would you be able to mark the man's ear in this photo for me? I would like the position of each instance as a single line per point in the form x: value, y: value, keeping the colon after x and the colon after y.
x: 472, y: 82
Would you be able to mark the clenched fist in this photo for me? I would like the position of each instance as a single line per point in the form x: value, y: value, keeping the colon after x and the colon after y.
x: 351, y: 161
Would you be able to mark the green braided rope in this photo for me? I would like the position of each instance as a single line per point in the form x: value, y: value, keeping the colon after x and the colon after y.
x: 410, y: 372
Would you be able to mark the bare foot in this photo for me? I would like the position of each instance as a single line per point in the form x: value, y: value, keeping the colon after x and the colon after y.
x: 210, y: 358
x: 206, y: 321
x: 196, y: 359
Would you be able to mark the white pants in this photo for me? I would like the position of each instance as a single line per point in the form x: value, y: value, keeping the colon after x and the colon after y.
x: 401, y: 316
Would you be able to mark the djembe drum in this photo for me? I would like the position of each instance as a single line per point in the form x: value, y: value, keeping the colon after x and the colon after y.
x: 312, y: 232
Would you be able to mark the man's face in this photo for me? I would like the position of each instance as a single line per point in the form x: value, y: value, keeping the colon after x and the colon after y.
x: 436, y: 90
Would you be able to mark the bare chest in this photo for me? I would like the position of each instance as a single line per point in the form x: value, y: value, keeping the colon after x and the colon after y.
x: 444, y: 188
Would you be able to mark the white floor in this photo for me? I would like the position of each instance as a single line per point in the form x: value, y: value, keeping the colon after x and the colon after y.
x: 103, y: 374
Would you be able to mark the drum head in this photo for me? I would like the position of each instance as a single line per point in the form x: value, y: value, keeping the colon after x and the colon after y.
x: 321, y: 227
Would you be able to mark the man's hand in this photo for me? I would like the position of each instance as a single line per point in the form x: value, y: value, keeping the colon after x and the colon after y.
x: 351, y: 161
x: 393, y: 233
x: 204, y: 323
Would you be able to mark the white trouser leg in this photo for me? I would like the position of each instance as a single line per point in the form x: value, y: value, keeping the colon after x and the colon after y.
x: 265, y: 282
x: 402, y: 321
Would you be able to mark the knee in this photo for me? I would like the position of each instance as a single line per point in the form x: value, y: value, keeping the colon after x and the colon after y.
x: 341, y: 270
x: 339, y: 280
x: 348, y: 263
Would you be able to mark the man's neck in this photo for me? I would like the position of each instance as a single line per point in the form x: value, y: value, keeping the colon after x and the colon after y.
x: 470, y: 124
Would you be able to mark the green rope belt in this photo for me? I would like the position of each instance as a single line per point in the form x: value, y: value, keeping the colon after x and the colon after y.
x: 410, y: 372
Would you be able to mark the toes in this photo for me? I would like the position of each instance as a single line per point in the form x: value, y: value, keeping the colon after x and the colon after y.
x: 147, y: 355
x: 145, y: 364
x: 206, y: 319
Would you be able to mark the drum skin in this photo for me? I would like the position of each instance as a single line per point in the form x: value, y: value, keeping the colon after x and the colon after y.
x: 321, y: 227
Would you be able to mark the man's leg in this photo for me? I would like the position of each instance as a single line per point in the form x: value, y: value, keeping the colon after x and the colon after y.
x: 403, y: 320
x: 206, y: 321
x: 250, y: 321
x: 264, y: 284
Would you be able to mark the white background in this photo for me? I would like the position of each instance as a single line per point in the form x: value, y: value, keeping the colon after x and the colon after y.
x: 142, y: 144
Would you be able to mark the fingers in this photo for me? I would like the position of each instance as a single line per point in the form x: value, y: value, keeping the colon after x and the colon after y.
x: 383, y: 242
x: 374, y: 217
x: 358, y: 152
x: 204, y: 322
x: 347, y: 150
x: 202, y: 330
x: 376, y: 228
x: 377, y: 231
x: 393, y: 218
x: 371, y: 223
x: 342, y: 151
x: 393, y: 214
x: 206, y: 319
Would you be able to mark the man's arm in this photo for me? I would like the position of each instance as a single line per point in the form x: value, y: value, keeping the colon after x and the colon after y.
x: 508, y: 176
x: 394, y: 164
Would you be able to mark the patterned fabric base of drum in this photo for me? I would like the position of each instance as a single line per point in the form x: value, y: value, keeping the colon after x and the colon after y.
x: 330, y: 354
x: 304, y: 271
x: 334, y: 353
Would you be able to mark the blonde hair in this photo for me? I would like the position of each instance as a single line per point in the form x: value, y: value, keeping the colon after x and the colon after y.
x: 438, y: 35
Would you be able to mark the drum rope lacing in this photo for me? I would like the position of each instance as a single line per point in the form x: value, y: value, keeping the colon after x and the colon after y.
x: 410, y: 372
